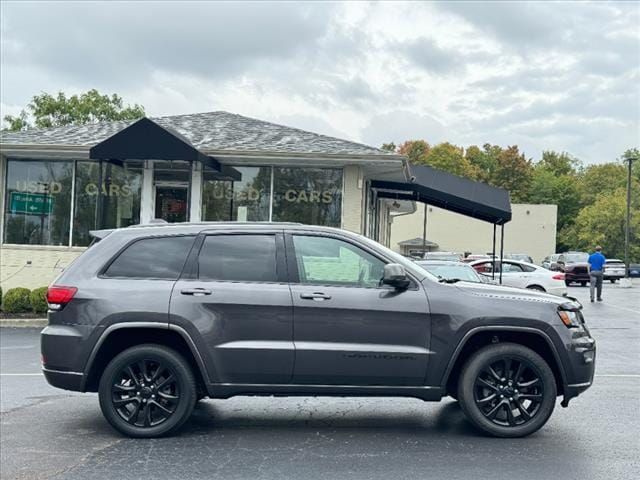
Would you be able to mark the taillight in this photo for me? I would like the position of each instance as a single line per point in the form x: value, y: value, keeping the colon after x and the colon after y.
x: 58, y: 296
x: 558, y: 276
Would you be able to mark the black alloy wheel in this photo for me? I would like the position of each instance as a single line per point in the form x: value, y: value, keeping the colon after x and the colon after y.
x: 507, y: 390
x: 147, y: 391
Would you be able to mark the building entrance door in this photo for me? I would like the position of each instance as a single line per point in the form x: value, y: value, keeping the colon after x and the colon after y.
x: 171, y: 203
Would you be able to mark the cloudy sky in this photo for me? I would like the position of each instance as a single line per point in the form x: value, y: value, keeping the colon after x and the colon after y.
x: 563, y: 76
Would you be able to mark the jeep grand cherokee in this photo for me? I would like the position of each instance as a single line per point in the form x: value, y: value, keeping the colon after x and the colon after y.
x: 154, y: 318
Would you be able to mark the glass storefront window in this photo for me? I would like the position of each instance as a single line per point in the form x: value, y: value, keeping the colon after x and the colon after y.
x: 307, y: 195
x: 244, y: 201
x: 121, y: 190
x: 38, y: 202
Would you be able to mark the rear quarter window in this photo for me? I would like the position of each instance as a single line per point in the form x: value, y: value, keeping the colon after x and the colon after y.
x: 158, y: 257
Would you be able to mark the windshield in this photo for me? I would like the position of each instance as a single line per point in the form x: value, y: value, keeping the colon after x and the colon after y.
x: 577, y: 257
x: 452, y: 272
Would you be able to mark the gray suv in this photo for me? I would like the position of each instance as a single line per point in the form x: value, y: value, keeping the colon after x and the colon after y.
x: 155, y: 318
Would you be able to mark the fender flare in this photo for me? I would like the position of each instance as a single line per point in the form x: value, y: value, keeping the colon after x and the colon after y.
x: 152, y: 325
x: 502, y: 328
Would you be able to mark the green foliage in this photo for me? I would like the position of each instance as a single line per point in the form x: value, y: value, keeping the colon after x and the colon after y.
x: 389, y: 147
x: 89, y: 107
x: 17, y: 300
x: 449, y: 158
x: 603, y: 179
x: 414, y: 150
x: 0, y: 298
x: 38, y: 300
x: 603, y: 223
x: 559, y: 163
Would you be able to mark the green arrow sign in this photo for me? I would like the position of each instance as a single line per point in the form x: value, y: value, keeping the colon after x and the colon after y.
x: 31, y: 203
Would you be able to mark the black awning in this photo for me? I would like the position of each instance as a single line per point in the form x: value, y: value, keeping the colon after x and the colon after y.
x: 450, y: 192
x: 147, y: 140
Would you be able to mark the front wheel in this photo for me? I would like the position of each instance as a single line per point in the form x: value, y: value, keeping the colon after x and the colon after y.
x: 613, y: 280
x: 147, y: 391
x: 507, y: 390
x: 537, y: 288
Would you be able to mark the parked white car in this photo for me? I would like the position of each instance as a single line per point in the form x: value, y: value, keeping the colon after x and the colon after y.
x: 524, y: 275
x: 614, y: 269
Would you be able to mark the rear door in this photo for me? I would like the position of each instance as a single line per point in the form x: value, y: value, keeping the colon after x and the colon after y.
x: 514, y: 275
x: 236, y: 296
x: 350, y: 330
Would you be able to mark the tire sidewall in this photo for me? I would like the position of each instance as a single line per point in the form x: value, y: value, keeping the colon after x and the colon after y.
x: 489, y: 354
x: 186, y: 384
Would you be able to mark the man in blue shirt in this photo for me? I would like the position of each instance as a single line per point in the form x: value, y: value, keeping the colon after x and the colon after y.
x: 596, y: 271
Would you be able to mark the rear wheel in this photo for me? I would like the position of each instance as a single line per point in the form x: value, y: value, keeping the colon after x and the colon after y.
x: 507, y: 390
x: 583, y: 284
x: 613, y: 280
x: 537, y: 288
x: 567, y: 283
x: 147, y: 391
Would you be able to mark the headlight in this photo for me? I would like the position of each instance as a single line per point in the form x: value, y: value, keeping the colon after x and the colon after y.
x: 570, y: 318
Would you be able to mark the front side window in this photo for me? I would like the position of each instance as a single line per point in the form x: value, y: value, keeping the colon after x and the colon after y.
x: 244, y: 201
x: 157, y: 258
x: 329, y: 261
x: 238, y: 258
x: 38, y: 202
x: 312, y: 196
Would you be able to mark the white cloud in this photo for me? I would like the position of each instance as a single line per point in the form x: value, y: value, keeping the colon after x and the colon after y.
x: 559, y: 76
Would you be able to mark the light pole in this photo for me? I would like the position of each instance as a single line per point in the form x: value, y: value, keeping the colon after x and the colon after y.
x: 629, y: 157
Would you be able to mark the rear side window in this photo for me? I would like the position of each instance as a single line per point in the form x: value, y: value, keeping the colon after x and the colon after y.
x: 238, y: 258
x: 161, y: 257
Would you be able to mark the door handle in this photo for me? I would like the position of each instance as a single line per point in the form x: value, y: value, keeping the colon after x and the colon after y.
x: 196, y: 292
x: 317, y: 296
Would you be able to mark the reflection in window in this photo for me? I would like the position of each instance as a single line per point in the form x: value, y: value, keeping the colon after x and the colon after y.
x: 307, y: 195
x: 246, y: 200
x: 121, y: 189
x: 38, y: 202
x: 329, y: 261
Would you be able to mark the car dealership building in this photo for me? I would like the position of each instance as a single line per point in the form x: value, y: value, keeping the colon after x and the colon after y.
x: 58, y: 184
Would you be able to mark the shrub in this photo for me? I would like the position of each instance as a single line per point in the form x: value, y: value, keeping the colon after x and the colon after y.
x: 38, y: 300
x: 0, y: 298
x: 17, y: 300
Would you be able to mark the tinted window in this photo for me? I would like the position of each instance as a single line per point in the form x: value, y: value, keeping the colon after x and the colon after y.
x: 161, y: 257
x: 241, y: 258
x: 511, y: 268
x: 329, y: 261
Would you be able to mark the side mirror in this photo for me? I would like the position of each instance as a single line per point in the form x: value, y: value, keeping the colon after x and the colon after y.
x: 396, y: 276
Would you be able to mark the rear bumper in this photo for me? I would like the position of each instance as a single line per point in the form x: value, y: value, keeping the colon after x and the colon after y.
x: 576, y: 277
x: 65, y: 380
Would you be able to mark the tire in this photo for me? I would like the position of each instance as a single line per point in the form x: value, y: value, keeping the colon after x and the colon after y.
x: 167, y: 385
x: 541, y: 395
x: 583, y: 284
x: 567, y: 283
x: 613, y: 280
x: 537, y: 288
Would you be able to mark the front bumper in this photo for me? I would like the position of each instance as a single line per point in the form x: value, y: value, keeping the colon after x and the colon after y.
x: 581, y: 365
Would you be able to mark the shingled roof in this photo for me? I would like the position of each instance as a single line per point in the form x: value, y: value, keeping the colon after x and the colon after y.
x: 212, y: 131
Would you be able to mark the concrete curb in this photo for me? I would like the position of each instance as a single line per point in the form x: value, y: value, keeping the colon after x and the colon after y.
x: 23, y: 322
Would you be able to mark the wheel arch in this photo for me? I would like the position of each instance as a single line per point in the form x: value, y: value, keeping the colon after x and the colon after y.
x: 118, y: 337
x: 479, y: 337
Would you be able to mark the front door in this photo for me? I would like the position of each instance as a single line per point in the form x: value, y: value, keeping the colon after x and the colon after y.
x: 349, y: 329
x: 171, y: 203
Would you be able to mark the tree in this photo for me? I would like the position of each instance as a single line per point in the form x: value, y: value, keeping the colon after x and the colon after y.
x: 513, y: 173
x: 450, y: 158
x: 603, y: 222
x: 414, y: 150
x: 559, y: 163
x: 484, y: 161
x: 603, y: 179
x: 89, y: 107
x: 388, y: 147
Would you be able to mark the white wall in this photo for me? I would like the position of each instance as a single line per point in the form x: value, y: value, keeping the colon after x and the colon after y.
x: 532, y: 230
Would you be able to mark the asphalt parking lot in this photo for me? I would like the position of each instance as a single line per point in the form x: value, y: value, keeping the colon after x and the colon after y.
x: 53, y: 434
